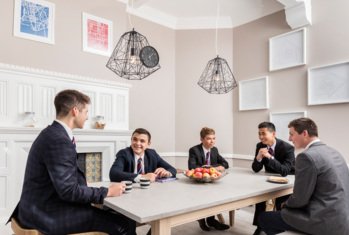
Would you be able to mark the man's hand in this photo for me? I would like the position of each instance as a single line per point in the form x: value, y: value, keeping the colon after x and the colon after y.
x: 161, y: 172
x: 116, y: 189
x: 150, y: 176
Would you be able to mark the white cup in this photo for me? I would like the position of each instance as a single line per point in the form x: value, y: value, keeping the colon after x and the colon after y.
x: 145, y: 183
x: 129, y: 185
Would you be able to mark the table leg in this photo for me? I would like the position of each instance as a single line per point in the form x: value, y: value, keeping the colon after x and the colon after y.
x: 161, y: 227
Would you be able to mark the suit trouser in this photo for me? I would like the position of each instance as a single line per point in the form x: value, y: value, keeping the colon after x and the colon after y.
x: 260, y: 207
x: 272, y: 223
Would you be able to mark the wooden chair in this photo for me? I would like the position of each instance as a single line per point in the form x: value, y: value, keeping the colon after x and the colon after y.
x: 231, y: 218
x: 18, y: 230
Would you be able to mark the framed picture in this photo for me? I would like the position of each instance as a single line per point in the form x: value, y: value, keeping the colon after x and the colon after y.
x: 34, y: 20
x: 281, y: 121
x: 97, y: 35
x: 253, y: 94
x: 287, y: 50
x: 328, y: 84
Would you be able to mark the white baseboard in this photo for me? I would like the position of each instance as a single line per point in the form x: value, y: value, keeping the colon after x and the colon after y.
x: 225, y: 155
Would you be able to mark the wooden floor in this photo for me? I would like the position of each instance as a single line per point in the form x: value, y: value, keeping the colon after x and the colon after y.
x: 243, y: 226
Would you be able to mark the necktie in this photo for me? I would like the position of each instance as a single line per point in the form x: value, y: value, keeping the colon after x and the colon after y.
x: 139, y: 166
x: 271, y: 151
x: 207, y: 159
x: 73, y: 141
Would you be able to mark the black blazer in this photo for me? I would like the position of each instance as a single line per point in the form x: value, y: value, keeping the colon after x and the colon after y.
x: 124, y: 165
x: 55, y: 198
x: 283, y: 162
x: 197, y: 157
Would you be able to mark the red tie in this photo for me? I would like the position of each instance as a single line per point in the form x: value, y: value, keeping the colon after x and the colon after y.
x: 139, y: 166
x: 73, y: 141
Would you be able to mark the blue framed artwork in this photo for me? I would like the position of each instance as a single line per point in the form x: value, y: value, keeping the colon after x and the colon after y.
x: 34, y: 20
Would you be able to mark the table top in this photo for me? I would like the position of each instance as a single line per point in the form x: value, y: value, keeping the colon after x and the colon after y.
x: 166, y: 199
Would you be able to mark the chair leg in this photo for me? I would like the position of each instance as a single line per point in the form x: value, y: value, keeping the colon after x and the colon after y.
x: 231, y: 218
x: 221, y: 218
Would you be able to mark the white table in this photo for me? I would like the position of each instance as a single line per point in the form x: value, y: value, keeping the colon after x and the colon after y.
x: 169, y: 204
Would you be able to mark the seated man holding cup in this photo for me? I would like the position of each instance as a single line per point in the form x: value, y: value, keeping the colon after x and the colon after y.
x: 139, y: 162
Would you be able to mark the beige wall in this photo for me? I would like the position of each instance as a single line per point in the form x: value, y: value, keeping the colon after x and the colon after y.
x: 170, y: 103
x: 327, y: 42
x: 151, y: 100
x: 195, y: 108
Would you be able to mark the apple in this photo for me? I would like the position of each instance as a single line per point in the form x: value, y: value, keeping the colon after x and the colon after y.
x: 218, y: 173
x: 206, y: 170
x: 212, y: 170
x: 189, y: 173
x: 199, y: 169
x: 214, y: 176
x: 206, y: 175
x: 197, y: 175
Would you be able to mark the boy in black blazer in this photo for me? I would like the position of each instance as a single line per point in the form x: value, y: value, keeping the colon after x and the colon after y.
x: 277, y: 156
x: 206, y: 154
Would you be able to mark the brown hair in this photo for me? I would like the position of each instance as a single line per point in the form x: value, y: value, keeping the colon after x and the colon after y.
x: 302, y: 124
x: 67, y: 99
x: 206, y: 131
x: 142, y: 131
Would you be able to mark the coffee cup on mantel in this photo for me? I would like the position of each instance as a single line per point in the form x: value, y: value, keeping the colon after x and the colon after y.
x: 129, y: 185
x: 145, y: 183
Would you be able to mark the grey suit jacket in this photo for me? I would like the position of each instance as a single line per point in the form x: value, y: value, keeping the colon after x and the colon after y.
x: 320, y: 200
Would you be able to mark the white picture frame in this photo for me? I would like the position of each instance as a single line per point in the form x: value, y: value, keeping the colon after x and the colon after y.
x: 34, y: 20
x: 254, y: 94
x: 287, y: 50
x: 281, y: 121
x: 97, y: 36
x: 328, y: 84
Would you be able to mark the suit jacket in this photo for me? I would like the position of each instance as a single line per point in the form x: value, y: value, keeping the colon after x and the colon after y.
x: 283, y: 162
x: 320, y: 200
x: 197, y: 157
x: 55, y: 198
x: 124, y: 165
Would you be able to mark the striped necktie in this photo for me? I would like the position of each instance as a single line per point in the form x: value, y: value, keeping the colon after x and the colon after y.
x: 208, y: 159
x: 139, y: 166
x: 73, y: 141
x: 271, y: 151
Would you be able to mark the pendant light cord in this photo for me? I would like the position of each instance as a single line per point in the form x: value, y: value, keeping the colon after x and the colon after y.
x: 217, y: 27
x: 129, y: 15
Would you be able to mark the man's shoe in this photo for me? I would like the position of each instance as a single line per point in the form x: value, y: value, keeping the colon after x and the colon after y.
x: 203, y: 225
x: 217, y: 225
x: 257, y: 231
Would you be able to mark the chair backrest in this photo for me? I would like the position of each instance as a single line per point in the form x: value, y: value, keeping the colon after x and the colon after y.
x: 18, y: 230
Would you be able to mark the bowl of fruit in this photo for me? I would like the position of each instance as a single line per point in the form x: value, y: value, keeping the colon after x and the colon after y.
x: 206, y: 174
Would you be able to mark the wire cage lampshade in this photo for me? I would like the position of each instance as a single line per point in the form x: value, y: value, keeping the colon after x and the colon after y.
x: 217, y: 77
x: 125, y: 61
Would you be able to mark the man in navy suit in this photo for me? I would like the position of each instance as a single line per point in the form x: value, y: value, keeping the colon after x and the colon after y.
x: 139, y: 161
x: 206, y: 154
x: 55, y: 197
x: 277, y: 156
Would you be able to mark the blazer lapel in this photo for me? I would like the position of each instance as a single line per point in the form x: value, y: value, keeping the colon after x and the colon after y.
x: 202, y: 154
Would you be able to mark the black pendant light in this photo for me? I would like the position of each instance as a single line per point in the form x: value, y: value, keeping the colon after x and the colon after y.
x: 125, y: 60
x: 217, y: 77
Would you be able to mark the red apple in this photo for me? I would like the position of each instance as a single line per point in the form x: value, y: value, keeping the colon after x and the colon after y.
x: 199, y: 169
x: 189, y: 173
x: 197, y: 175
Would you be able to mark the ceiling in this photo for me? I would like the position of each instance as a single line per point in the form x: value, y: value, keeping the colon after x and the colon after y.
x: 201, y: 14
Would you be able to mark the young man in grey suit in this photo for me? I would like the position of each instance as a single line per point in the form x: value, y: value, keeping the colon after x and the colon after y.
x: 55, y: 197
x: 320, y: 200
x: 206, y: 154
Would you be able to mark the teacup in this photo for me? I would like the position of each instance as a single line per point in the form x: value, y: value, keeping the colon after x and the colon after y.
x: 145, y: 183
x: 128, y: 184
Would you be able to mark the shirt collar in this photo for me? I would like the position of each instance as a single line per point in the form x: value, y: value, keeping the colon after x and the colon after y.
x: 66, y: 128
x: 273, y: 145
x: 312, y: 142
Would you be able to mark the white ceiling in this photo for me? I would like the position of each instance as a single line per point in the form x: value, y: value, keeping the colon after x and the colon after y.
x: 200, y: 14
